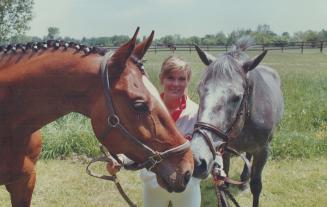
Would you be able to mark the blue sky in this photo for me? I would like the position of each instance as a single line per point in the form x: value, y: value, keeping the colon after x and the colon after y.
x: 95, y: 18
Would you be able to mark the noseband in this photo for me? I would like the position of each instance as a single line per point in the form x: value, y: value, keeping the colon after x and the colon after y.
x: 113, y: 120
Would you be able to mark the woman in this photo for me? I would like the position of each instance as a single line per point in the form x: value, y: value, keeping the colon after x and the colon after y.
x: 174, y: 77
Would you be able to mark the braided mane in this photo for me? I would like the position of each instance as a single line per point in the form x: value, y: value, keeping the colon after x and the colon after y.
x: 56, y: 44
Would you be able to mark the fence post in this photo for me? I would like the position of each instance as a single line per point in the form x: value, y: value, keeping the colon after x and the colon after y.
x: 321, y: 46
x: 302, y: 47
x: 226, y: 46
x: 190, y: 47
x: 155, y: 48
x: 282, y: 47
x: 263, y: 47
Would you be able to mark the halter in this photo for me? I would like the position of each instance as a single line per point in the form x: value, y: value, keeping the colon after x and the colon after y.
x: 114, y: 122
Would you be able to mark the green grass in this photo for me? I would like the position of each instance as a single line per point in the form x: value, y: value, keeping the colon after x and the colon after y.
x: 70, y: 134
x: 301, y: 133
x: 287, y: 183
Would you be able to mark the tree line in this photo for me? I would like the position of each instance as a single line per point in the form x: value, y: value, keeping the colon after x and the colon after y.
x: 262, y: 35
x: 15, y: 16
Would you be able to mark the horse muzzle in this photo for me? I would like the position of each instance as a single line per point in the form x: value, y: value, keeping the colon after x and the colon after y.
x: 174, y: 183
x: 174, y: 174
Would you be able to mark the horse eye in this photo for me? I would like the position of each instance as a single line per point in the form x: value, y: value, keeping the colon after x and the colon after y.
x: 141, y: 106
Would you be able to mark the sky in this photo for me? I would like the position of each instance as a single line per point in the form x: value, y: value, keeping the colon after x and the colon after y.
x: 98, y: 18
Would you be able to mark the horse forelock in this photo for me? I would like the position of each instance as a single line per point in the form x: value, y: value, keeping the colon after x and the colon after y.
x: 229, y: 63
x: 224, y: 68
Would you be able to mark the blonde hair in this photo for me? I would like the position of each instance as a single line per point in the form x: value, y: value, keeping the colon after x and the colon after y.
x: 174, y: 63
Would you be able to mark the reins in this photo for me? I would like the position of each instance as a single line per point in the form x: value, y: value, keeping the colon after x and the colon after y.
x: 107, y: 158
x: 220, y: 178
x: 113, y: 122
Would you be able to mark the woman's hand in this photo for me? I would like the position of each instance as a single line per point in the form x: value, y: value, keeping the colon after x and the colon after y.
x: 113, y: 166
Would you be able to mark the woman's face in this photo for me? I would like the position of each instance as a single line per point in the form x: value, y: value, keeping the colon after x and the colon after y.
x: 174, y: 84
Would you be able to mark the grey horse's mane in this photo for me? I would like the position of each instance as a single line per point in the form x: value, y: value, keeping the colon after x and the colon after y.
x: 227, y: 64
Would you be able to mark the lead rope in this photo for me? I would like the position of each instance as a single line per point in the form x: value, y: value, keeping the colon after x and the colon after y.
x: 222, y: 192
x: 220, y: 178
x: 106, y: 158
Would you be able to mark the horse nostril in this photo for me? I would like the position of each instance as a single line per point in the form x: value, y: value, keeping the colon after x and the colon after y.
x: 201, y: 169
x: 203, y: 165
x: 187, y: 177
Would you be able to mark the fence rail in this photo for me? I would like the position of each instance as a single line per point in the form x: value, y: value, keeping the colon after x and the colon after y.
x: 320, y: 46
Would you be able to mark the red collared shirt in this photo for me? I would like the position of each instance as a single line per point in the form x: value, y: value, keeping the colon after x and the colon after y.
x: 176, y: 114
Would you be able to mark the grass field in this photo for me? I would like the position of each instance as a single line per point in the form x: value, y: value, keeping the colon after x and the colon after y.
x: 296, y: 174
x: 287, y: 183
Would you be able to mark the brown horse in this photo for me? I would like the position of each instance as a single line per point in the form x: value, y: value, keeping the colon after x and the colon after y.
x: 43, y: 81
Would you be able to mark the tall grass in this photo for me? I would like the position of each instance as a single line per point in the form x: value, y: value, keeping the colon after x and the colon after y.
x: 301, y: 133
x: 68, y: 135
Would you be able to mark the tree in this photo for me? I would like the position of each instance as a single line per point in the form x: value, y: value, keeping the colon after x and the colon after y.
x: 53, y: 33
x: 307, y: 36
x: 264, y: 35
x: 286, y: 36
x: 311, y: 36
x: 237, y: 34
x: 14, y: 17
x: 221, y: 38
x: 192, y: 40
x: 298, y: 36
x: 208, y: 39
x: 168, y: 39
x: 323, y: 35
x: 119, y: 39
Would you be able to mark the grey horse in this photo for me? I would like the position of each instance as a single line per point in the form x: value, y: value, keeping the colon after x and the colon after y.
x: 241, y: 103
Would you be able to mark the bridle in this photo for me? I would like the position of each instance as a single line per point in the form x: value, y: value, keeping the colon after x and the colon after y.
x: 154, y: 157
x: 202, y: 127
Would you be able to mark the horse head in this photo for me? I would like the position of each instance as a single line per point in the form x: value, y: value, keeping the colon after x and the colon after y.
x: 131, y: 118
x: 223, y: 93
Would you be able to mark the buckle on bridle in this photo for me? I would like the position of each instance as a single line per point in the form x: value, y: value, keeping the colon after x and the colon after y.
x: 113, y: 121
x: 218, y: 175
x: 155, y: 159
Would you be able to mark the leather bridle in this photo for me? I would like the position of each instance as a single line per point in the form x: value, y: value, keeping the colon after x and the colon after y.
x: 154, y: 157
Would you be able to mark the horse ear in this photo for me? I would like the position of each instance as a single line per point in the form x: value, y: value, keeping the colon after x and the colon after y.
x: 206, y: 58
x: 121, y: 55
x: 141, y: 48
x: 251, y: 64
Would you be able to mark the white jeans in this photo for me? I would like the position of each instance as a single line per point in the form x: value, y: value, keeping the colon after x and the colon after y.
x: 159, y: 197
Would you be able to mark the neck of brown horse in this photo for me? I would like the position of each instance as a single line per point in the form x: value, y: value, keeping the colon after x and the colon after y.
x: 39, y: 87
